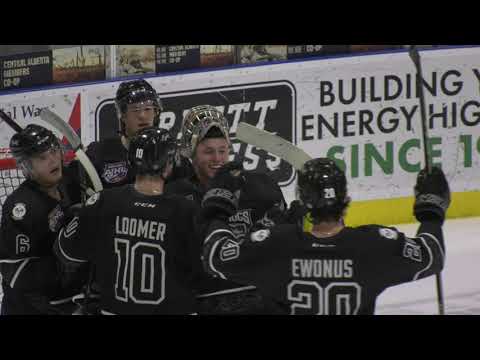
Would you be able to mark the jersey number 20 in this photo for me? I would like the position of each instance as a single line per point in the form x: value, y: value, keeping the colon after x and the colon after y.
x: 140, y: 274
x: 338, y: 298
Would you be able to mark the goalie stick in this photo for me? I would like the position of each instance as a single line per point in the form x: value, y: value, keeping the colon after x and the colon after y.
x: 273, y: 144
x: 415, y: 56
x: 58, y: 123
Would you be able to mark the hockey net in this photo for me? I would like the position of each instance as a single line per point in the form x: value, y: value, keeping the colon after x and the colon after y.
x: 10, y: 176
x: 10, y: 179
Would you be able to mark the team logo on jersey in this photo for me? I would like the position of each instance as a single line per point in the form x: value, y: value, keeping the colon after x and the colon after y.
x: 71, y: 227
x: 55, y: 218
x: 19, y: 211
x: 92, y: 199
x: 189, y: 197
x: 317, y: 245
x: 388, y: 233
x: 230, y: 250
x: 260, y: 235
x: 412, y: 251
x: 115, y: 172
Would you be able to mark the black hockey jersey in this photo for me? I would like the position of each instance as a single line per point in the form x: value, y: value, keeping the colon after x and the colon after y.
x: 340, y: 275
x: 110, y: 159
x: 143, y: 247
x: 30, y: 223
x: 259, y: 196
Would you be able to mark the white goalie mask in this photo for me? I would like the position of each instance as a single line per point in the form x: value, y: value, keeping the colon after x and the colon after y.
x: 196, y: 124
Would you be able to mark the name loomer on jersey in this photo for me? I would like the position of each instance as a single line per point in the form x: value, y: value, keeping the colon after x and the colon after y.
x: 148, y: 229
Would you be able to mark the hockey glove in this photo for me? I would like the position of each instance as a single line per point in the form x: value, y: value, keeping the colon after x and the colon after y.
x: 223, y: 191
x: 295, y: 212
x: 432, y: 195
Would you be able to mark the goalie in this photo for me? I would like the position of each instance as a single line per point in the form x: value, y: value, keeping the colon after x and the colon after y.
x: 206, y: 141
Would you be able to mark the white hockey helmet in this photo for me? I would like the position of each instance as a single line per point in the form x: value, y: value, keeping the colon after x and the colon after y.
x: 197, y: 123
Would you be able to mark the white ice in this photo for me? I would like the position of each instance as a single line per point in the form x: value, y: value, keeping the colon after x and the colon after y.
x: 460, y: 277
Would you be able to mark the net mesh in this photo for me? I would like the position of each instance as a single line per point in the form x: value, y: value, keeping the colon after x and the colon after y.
x: 10, y: 176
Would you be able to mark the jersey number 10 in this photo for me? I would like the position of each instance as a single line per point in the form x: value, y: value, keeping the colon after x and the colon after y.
x: 140, y: 274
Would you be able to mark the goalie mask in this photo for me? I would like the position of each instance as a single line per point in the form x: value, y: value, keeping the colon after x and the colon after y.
x: 321, y: 184
x: 197, y: 123
x: 136, y: 92
x: 151, y: 151
x: 31, y: 141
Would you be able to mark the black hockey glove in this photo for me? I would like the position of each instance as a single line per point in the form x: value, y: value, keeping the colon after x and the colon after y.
x: 295, y: 213
x: 70, y: 213
x: 432, y: 195
x: 223, y: 191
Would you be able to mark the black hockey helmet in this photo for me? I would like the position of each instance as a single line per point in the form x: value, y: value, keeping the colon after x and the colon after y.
x: 32, y: 140
x: 322, y: 185
x: 151, y: 150
x: 133, y: 92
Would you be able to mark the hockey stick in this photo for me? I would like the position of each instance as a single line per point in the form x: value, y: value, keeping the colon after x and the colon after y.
x: 415, y: 56
x: 58, y: 123
x: 273, y: 144
x: 17, y: 128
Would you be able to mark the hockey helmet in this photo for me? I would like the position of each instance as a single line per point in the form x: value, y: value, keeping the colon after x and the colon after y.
x: 151, y: 150
x: 197, y: 123
x: 322, y: 184
x: 136, y: 92
x: 31, y: 141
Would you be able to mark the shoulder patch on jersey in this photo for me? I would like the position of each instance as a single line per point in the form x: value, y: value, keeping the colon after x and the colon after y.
x: 19, y: 211
x: 388, y: 233
x: 230, y: 250
x: 115, y: 172
x: 412, y: 250
x: 260, y: 235
x: 92, y: 199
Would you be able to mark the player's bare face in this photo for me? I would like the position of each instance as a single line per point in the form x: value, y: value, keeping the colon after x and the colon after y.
x: 210, y: 155
x: 47, y: 167
x: 138, y: 116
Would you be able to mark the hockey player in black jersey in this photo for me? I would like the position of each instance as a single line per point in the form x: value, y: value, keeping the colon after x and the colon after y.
x: 33, y: 283
x: 138, y: 106
x: 205, y: 140
x: 141, y: 241
x: 334, y: 269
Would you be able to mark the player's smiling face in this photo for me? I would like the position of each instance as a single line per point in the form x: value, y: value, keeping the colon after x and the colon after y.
x: 138, y: 116
x: 210, y: 155
x: 47, y: 167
